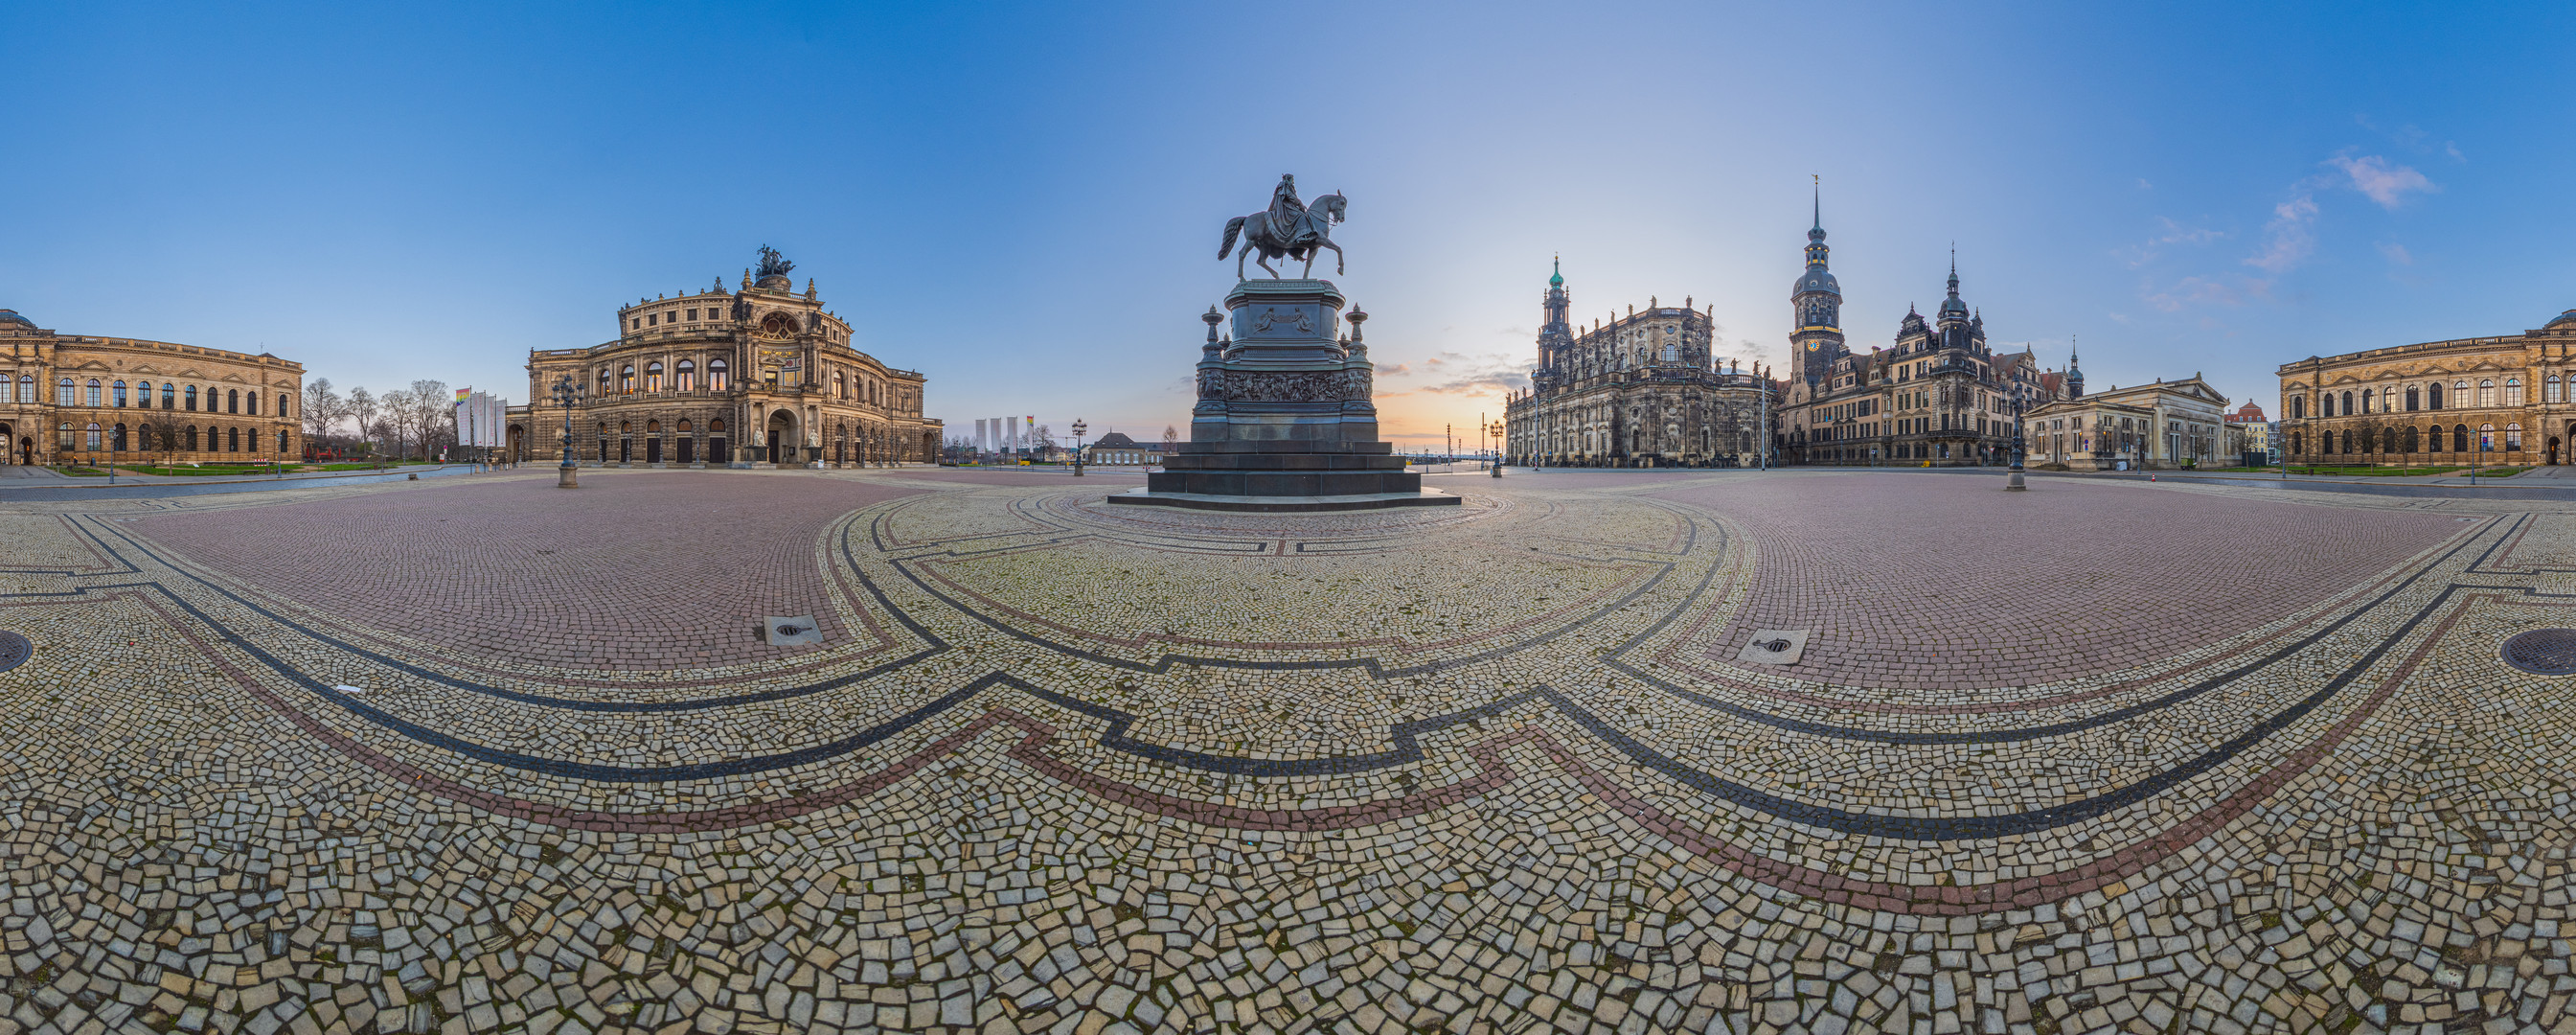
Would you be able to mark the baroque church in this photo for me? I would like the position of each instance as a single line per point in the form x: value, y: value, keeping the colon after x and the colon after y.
x: 1640, y: 390
x: 1937, y: 396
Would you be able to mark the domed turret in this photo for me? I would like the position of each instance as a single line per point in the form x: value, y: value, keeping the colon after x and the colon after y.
x: 2565, y: 319
x: 10, y: 318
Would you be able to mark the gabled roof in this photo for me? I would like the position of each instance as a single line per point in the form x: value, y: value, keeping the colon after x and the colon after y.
x: 1115, y: 440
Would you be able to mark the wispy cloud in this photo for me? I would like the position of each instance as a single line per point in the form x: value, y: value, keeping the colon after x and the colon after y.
x: 2396, y: 253
x: 2381, y: 182
x: 2198, y: 291
x: 1462, y: 374
x: 2289, y: 237
x: 2170, y: 233
x: 1394, y: 370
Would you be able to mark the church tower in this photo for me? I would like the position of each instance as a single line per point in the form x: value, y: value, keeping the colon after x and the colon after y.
x: 1816, y: 305
x: 1954, y: 313
x: 1555, y: 331
x: 2074, y: 376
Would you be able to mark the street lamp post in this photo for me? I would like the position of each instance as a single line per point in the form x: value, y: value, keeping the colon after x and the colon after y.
x: 567, y: 395
x: 2013, y: 480
x: 1080, y: 430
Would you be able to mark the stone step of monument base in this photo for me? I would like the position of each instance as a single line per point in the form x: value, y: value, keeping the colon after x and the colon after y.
x: 1285, y: 504
x: 1281, y: 482
x: 1283, y: 462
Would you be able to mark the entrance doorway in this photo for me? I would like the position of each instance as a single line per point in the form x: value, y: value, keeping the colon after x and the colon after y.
x: 653, y: 450
x: 782, y: 438
x: 688, y: 452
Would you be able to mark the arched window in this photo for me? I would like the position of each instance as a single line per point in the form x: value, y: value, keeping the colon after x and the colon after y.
x: 192, y: 438
x: 2459, y: 438
x: 281, y: 403
x: 2413, y: 440
x: 653, y: 376
x: 2347, y: 441
x: 26, y: 388
x: 2513, y: 391
x: 716, y: 376
x: 2550, y: 389
x: 143, y: 394
x: 232, y: 440
x: 2513, y: 436
x: 169, y: 396
x: 603, y: 382
x: 92, y: 440
x: 2347, y: 406
x: 2328, y: 404
x: 232, y: 401
x: 688, y: 375
x: 2414, y: 396
x: 281, y: 442
x: 626, y: 378
x: 119, y: 392
x: 192, y: 400
x: 2298, y: 407
x: 2486, y: 438
x: 684, y: 425
x: 2433, y: 396
x: 2460, y: 395
x: 254, y: 407
x: 93, y: 394
x: 63, y: 435
x: 2366, y: 404
x: 840, y: 386
x: 143, y: 438
x: 63, y: 394
x: 116, y: 438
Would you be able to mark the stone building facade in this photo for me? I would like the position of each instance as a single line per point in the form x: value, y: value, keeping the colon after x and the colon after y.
x: 1116, y: 449
x: 2165, y: 425
x: 1938, y: 396
x: 2502, y: 400
x: 761, y: 375
x: 76, y: 398
x: 1636, y: 391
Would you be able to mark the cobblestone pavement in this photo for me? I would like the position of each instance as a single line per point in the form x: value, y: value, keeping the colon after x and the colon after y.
x: 2098, y: 757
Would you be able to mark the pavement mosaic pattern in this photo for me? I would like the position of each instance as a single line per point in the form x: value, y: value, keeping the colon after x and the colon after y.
x: 1064, y: 767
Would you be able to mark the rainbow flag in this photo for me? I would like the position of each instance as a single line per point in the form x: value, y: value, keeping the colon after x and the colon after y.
x: 463, y: 394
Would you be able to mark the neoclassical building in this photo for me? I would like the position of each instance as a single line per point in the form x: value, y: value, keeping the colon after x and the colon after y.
x: 1633, y: 391
x: 2502, y: 399
x: 728, y: 378
x: 1936, y: 396
x: 70, y: 398
x: 2164, y: 425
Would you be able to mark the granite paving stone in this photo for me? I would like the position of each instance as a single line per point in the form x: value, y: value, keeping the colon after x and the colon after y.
x: 479, y: 754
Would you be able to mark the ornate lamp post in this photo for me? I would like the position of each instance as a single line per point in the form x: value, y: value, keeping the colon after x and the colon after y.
x: 1080, y: 429
x: 567, y: 395
x: 1495, y: 430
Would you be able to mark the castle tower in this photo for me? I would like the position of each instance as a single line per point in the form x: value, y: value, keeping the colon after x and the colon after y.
x: 2075, y: 377
x: 1954, y: 313
x: 1816, y: 307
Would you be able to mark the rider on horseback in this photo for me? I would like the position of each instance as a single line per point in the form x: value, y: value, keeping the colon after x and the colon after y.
x: 1287, y: 214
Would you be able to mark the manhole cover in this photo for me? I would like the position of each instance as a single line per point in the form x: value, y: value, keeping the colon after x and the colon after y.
x: 2547, y: 652
x: 14, y: 650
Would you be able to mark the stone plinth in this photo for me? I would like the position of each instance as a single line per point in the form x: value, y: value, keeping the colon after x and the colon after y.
x: 1285, y: 419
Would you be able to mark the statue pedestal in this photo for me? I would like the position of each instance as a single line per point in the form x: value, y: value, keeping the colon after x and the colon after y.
x: 1285, y: 420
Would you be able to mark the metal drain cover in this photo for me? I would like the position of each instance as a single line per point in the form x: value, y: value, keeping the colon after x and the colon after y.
x: 1775, y: 647
x: 14, y: 650
x: 790, y: 631
x: 2546, y: 652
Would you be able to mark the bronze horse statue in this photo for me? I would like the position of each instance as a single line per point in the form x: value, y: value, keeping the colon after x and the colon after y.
x: 1286, y: 229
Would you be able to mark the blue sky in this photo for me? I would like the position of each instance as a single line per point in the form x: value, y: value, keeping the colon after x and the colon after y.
x: 1024, y: 202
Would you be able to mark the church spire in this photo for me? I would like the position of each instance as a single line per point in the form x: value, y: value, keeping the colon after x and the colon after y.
x: 1820, y: 206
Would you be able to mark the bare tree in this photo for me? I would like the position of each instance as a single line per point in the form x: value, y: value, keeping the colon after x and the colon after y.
x: 363, y: 407
x: 432, y: 419
x: 394, y: 427
x: 1171, y: 437
x: 322, y: 409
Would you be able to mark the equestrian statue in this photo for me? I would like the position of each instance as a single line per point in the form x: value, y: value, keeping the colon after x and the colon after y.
x: 1287, y: 228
